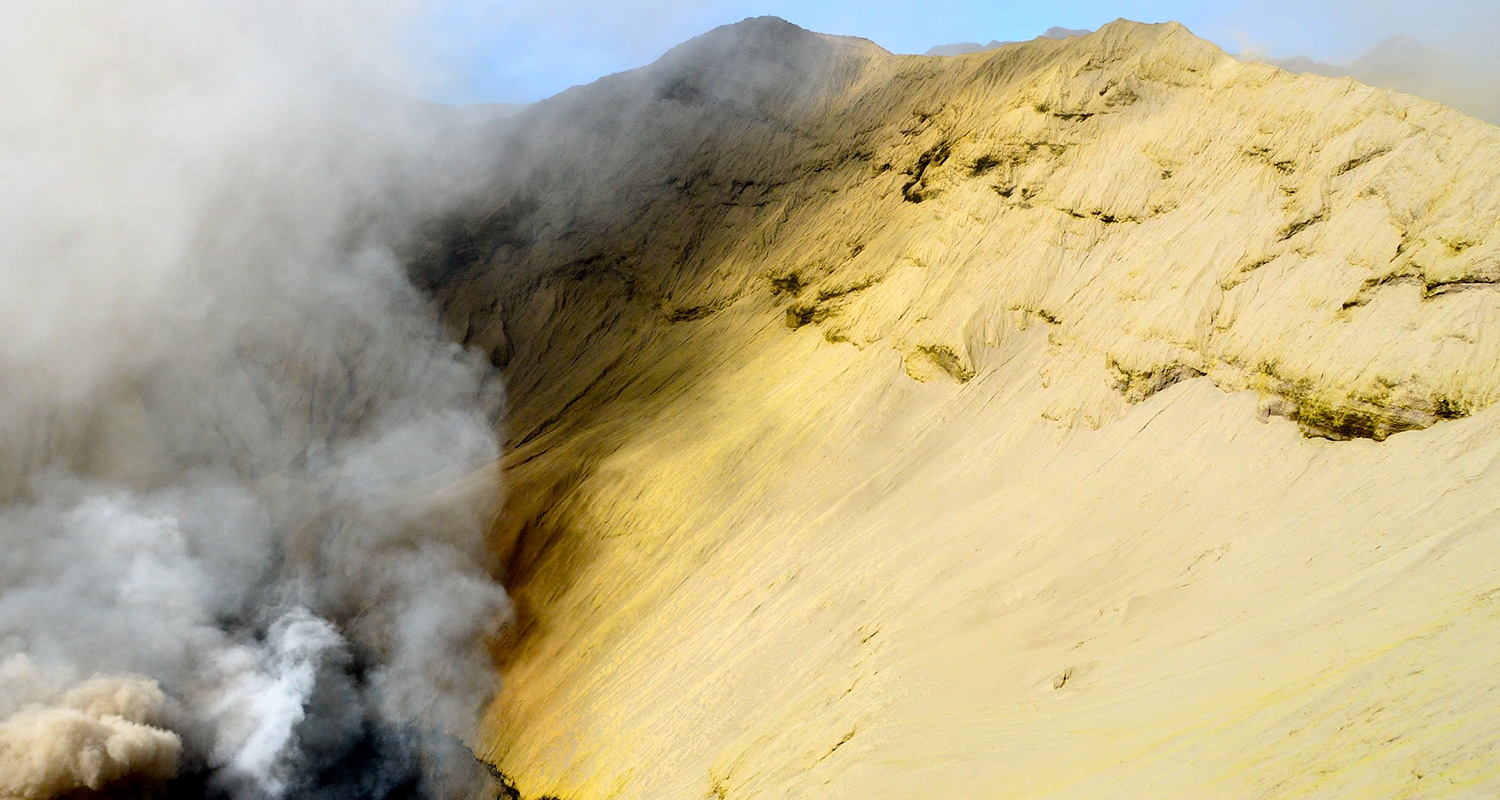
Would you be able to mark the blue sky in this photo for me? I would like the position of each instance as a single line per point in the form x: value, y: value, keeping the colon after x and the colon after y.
x: 524, y: 50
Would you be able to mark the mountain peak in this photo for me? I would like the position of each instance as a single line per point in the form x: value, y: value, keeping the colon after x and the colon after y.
x: 1121, y: 34
x: 759, y: 38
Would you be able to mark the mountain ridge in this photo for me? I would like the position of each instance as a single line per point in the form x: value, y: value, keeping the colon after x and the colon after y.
x: 875, y: 410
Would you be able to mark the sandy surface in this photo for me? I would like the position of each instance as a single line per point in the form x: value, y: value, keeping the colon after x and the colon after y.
x: 1007, y: 469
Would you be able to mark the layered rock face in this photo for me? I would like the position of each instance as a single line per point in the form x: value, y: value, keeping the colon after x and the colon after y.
x: 1087, y: 417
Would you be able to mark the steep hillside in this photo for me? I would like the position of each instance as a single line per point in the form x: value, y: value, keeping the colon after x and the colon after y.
x: 1086, y: 417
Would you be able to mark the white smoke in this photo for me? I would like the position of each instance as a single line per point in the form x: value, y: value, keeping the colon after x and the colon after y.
x: 229, y: 427
x: 267, y: 698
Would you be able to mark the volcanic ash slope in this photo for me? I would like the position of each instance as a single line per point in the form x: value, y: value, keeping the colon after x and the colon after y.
x: 1098, y: 417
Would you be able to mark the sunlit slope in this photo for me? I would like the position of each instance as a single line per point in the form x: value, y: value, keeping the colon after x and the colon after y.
x: 905, y: 427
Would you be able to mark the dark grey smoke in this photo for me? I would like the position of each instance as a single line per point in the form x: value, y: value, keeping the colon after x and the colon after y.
x: 245, y: 478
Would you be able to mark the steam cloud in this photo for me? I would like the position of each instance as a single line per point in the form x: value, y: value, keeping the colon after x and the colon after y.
x: 243, y: 482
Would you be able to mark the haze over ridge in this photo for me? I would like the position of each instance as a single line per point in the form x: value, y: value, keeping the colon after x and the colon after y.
x: 1400, y: 63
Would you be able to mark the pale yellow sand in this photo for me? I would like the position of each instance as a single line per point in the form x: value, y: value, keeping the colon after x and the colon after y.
x: 1023, y: 508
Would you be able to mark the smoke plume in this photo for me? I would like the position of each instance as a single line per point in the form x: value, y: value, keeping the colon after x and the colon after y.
x: 243, y: 473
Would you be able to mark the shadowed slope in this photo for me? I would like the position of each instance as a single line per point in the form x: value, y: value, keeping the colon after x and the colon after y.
x: 892, y: 426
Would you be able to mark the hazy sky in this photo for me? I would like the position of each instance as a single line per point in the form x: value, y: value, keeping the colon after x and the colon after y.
x: 524, y: 50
